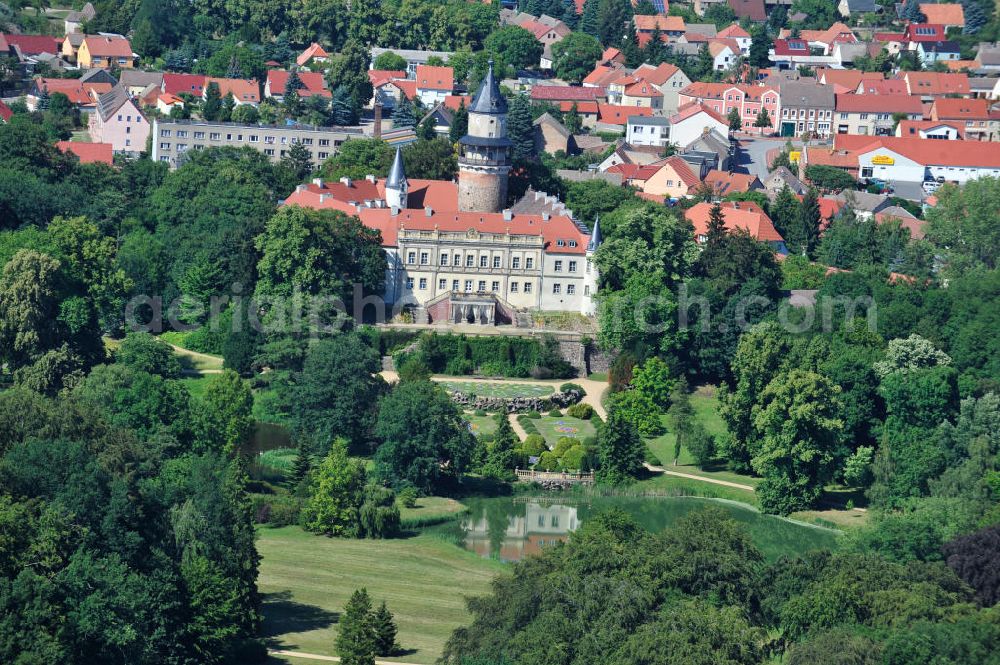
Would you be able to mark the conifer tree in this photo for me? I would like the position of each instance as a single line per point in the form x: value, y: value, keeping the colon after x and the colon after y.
x: 459, y: 123
x: 385, y: 631
x: 716, y: 224
x: 43, y: 99
x: 588, y: 20
x: 975, y: 17
x: 520, y: 128
x: 211, y: 109
x: 681, y: 415
x: 356, y: 637
x: 620, y: 448
x: 569, y: 15
x: 404, y: 116
x: 301, y: 465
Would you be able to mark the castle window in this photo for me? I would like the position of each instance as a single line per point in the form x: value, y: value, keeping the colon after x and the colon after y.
x: 572, y: 243
x: 424, y: 258
x: 560, y: 243
x: 454, y: 285
x: 572, y: 266
x: 586, y: 289
x: 468, y: 285
x: 444, y: 259
x: 482, y: 285
x: 442, y: 284
x: 515, y: 262
x: 483, y: 261
x: 409, y: 282
x: 494, y: 287
x: 529, y: 263
x: 556, y: 288
x: 558, y: 267
x: 496, y: 261
x: 513, y: 287
x: 469, y: 261
x: 423, y: 283
x: 527, y: 287
x: 411, y: 257
x: 571, y: 289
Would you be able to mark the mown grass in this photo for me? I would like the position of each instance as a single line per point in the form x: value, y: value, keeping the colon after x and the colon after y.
x: 430, y: 510
x: 497, y: 389
x: 481, y: 424
x: 549, y: 427
x: 196, y: 385
x: 307, y: 579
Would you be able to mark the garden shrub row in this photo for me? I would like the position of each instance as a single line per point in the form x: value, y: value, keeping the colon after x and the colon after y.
x: 496, y: 356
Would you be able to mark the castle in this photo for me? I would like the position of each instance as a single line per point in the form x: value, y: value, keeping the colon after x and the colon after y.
x: 454, y: 250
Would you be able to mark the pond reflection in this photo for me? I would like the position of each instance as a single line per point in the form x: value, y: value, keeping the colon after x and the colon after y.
x: 525, y: 533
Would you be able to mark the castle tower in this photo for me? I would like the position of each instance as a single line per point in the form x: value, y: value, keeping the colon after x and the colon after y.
x: 484, y: 153
x: 396, y: 186
x: 591, y: 277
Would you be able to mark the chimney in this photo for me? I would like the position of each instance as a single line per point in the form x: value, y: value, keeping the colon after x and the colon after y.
x: 318, y: 182
x: 545, y: 216
x: 395, y: 211
x: 507, y: 215
x: 370, y: 178
x: 428, y: 211
x: 345, y: 181
x: 378, y: 120
x: 323, y: 197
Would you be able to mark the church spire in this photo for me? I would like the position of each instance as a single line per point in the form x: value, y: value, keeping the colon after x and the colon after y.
x: 595, y: 235
x: 397, y: 176
x: 488, y: 98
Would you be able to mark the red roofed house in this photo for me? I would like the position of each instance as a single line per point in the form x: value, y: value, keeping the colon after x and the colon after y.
x: 739, y: 35
x: 694, y: 120
x: 846, y: 80
x: 612, y: 57
x: 28, y: 45
x: 916, y: 159
x: 244, y: 91
x: 753, y: 10
x: 314, y: 53
x: 723, y: 182
x: 928, y: 85
x: 725, y: 53
x: 602, y: 76
x: 434, y: 84
x: 947, y: 14
x: 979, y: 122
x: 669, y: 78
x: 924, y: 32
x: 871, y: 115
x: 609, y: 114
x: 89, y: 153
x: 117, y: 121
x: 82, y: 95
x: 674, y: 178
x: 791, y: 51
x: 671, y: 28
x: 882, y: 87
x: 930, y: 129
x: 746, y: 99
x: 738, y: 215
x: 105, y: 52
x: 313, y: 83
x: 905, y: 219
x: 5, y: 112
x: 588, y: 111
x: 838, y: 33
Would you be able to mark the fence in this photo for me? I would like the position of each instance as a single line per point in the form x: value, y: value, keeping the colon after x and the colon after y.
x: 529, y: 476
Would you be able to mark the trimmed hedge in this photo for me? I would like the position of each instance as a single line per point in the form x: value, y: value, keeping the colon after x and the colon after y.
x: 500, y: 356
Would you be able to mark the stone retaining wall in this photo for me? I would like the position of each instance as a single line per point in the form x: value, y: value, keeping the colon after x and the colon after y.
x: 557, y: 400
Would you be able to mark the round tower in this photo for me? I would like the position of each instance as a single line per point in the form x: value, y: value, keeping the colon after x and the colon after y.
x: 484, y: 153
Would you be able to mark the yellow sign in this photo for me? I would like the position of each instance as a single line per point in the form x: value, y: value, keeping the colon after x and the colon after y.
x: 883, y: 160
x: 794, y: 155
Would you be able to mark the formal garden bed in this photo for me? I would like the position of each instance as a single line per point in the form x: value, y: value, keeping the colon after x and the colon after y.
x: 498, y: 388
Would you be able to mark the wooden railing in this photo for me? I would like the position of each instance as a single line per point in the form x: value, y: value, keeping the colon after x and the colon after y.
x: 530, y: 476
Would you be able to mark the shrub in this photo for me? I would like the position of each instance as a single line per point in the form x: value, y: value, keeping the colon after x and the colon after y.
x: 379, y: 514
x: 492, y: 368
x: 459, y: 367
x: 566, y: 387
x: 651, y: 457
x: 496, y: 356
x: 548, y: 461
x: 563, y: 444
x: 581, y: 411
x: 527, y: 425
x: 479, y: 412
x: 407, y: 497
x: 701, y: 445
x: 590, y: 442
x: 534, y: 445
x: 275, y: 509
x: 485, y: 438
x: 555, y: 413
x: 534, y: 415
x: 574, y: 459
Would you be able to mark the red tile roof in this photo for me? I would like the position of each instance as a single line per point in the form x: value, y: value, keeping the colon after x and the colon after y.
x: 912, y: 32
x: 734, y: 30
x: 791, y: 47
x: 981, y: 154
x: 886, y: 87
x: 601, y: 76
x: 937, y: 83
x: 724, y: 182
x: 945, y: 13
x: 72, y: 88
x: 435, y: 78
x: 914, y: 127
x: 193, y: 84
x: 108, y: 47
x: 694, y: 108
x: 664, y: 23
x: 751, y: 9
x: 849, y: 78
x: 581, y: 107
x: 683, y: 170
x: 636, y: 172
x: 906, y: 220
x: 313, y: 51
x: 406, y: 86
x: 5, y: 112
x: 886, y: 37
x: 89, y: 153
x: 738, y: 215
x: 879, y: 104
x: 619, y: 115
x: 378, y: 77
x: 948, y: 108
x: 643, y: 88
x: 314, y: 83
x: 452, y: 102
x: 29, y: 44
x: 567, y: 92
x: 244, y: 90
x: 702, y: 90
x: 657, y: 75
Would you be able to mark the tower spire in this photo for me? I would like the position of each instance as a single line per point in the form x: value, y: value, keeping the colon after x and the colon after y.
x: 396, y: 185
x: 595, y: 235
x: 396, y: 174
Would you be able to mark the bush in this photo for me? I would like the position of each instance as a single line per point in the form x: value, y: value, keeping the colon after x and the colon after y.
x: 581, y: 411
x: 563, y: 444
x: 575, y: 459
x: 566, y: 387
x: 379, y: 514
x: 459, y: 367
x: 701, y: 445
x: 555, y: 413
x: 527, y: 425
x: 534, y: 445
x: 514, y: 357
x: 275, y: 509
x: 534, y: 415
x: 548, y: 462
x: 590, y: 442
x: 407, y: 497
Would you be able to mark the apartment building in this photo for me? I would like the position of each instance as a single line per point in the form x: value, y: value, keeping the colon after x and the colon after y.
x: 872, y: 115
x: 172, y: 138
x: 806, y: 107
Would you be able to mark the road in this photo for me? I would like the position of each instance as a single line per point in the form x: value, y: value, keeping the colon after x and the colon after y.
x: 752, y: 156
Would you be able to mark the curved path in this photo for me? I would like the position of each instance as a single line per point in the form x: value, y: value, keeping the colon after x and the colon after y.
x: 327, y: 659
x: 691, y: 476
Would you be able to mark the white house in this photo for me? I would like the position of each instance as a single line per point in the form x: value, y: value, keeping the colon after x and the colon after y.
x: 917, y: 160
x: 649, y: 130
x: 434, y: 84
x: 693, y: 121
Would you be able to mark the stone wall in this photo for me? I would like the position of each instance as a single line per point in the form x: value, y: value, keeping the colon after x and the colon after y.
x: 586, y: 360
x: 481, y: 192
x: 557, y: 400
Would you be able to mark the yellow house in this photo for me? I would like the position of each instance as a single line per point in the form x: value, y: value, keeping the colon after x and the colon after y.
x: 71, y: 46
x: 674, y: 179
x: 105, y: 52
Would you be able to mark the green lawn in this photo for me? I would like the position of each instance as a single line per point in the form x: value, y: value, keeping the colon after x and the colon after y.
x: 306, y: 580
x: 196, y: 385
x: 481, y: 424
x: 497, y: 389
x: 553, y: 429
x: 430, y: 510
x: 706, y: 410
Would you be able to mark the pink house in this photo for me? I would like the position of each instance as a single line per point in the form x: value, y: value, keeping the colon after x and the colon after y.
x: 118, y: 121
x: 748, y: 100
